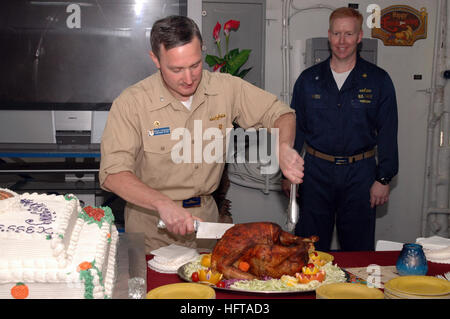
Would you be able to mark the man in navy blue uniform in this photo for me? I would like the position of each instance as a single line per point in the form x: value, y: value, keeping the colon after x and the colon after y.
x: 347, y: 121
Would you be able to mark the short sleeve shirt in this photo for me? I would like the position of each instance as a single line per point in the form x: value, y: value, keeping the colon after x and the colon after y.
x: 177, y: 151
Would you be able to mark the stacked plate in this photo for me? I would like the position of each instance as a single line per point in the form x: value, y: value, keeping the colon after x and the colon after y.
x: 168, y: 259
x: 417, y: 287
x: 345, y: 290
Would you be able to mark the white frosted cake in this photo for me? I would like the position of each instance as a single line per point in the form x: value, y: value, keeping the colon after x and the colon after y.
x: 51, y: 247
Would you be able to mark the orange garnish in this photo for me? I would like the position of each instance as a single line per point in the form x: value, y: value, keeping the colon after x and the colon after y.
x: 244, y: 266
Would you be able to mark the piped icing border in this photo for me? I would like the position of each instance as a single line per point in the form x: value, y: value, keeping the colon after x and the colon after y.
x: 64, y: 237
x: 97, y: 278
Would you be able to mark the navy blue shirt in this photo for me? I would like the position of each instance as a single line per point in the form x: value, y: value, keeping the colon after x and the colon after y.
x: 355, y: 119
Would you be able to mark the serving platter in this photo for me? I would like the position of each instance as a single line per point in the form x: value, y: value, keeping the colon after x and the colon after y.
x: 334, y: 275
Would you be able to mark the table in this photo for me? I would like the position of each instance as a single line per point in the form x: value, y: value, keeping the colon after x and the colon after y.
x: 342, y: 259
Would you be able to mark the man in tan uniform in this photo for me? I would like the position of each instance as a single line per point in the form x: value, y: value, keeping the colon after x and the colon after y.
x: 137, y: 148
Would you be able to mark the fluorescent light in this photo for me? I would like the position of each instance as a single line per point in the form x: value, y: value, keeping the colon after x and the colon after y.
x: 55, y: 3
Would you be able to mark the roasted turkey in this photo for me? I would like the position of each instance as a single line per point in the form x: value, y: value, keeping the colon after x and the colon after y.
x: 265, y: 247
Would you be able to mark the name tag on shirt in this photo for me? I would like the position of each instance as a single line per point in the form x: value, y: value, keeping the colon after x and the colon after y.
x: 159, y: 131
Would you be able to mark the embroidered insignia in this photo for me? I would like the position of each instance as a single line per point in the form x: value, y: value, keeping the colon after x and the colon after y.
x: 217, y: 117
x: 365, y: 95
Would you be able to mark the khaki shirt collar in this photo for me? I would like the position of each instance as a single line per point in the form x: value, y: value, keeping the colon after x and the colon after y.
x: 163, y: 97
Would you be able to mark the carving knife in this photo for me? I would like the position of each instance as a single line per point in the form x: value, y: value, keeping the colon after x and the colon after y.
x: 205, y: 230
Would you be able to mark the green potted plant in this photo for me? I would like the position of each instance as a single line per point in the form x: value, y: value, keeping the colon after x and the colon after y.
x: 233, y: 60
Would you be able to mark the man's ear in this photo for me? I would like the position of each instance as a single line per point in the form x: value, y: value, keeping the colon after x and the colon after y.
x: 155, y: 59
x: 360, y: 35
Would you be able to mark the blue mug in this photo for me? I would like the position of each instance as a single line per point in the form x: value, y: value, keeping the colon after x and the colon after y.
x: 412, y: 261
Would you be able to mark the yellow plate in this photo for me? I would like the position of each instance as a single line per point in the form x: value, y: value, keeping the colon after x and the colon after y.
x: 348, y: 291
x: 324, y: 256
x: 387, y: 295
x: 419, y: 285
x: 399, y: 295
x: 182, y: 291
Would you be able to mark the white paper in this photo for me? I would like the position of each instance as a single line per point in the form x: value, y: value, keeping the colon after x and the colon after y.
x: 436, y: 249
x: 433, y: 242
x: 168, y: 259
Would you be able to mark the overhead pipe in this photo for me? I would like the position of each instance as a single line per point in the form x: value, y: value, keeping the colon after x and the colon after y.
x: 443, y: 170
x: 285, y: 96
x: 437, y: 162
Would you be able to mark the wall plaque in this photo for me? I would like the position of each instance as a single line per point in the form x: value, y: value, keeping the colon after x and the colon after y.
x: 401, y: 25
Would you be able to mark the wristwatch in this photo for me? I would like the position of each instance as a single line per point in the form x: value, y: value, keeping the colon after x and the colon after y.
x: 383, y: 180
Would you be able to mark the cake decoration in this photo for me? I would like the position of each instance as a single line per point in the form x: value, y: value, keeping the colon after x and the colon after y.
x: 89, y: 273
x: 70, y: 197
x: 53, y: 248
x: 4, y: 194
x: 97, y: 215
x: 46, y: 217
x: 84, y: 266
x: 8, y: 200
x: 19, y: 291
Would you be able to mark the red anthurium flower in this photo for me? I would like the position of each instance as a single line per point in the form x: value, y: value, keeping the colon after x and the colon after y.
x: 216, y: 32
x: 217, y: 67
x: 228, y: 63
x: 230, y: 25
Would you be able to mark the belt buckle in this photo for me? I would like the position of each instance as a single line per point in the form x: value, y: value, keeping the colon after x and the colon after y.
x: 341, y: 160
x: 192, y: 202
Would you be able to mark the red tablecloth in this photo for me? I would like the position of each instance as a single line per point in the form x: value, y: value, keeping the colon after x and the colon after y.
x: 342, y: 259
